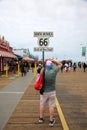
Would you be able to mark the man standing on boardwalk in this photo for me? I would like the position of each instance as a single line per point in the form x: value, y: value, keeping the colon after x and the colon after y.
x: 52, y: 67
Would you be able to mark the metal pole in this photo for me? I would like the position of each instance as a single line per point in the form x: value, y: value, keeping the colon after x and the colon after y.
x: 43, y: 57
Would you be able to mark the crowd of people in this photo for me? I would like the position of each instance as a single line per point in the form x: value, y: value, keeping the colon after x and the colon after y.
x: 68, y: 66
x: 25, y: 66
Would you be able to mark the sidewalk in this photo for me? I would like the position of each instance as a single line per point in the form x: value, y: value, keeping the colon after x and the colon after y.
x: 11, y: 95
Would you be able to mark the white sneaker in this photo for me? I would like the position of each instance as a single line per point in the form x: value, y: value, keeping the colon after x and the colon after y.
x: 52, y: 123
x: 41, y: 120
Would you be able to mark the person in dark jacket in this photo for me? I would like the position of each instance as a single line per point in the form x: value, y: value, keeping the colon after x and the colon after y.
x: 39, y: 68
x: 32, y: 66
x: 22, y: 67
x: 84, y: 66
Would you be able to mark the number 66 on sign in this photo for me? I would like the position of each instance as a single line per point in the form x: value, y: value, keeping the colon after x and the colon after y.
x: 43, y: 42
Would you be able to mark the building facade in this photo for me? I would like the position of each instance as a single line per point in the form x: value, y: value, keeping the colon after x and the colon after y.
x: 6, y: 53
x: 22, y: 52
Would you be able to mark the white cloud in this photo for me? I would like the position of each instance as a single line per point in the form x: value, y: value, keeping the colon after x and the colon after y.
x: 66, y: 18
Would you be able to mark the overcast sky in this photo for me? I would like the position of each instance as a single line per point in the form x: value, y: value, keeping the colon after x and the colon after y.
x: 67, y: 19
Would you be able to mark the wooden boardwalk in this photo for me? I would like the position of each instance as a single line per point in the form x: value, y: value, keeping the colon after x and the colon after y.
x: 72, y: 97
x: 26, y: 114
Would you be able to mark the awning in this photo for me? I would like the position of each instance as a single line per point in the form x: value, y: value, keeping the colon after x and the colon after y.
x: 7, y: 54
x: 28, y: 59
x: 18, y: 56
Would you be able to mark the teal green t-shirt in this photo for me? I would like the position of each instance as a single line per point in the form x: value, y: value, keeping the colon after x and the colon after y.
x: 50, y: 79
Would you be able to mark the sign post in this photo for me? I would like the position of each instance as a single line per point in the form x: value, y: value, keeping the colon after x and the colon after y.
x: 43, y: 42
x: 43, y: 57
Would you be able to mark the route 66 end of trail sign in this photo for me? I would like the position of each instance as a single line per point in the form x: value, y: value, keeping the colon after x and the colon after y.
x: 43, y: 41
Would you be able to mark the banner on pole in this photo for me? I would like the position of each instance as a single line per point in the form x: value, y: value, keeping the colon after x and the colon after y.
x: 84, y: 51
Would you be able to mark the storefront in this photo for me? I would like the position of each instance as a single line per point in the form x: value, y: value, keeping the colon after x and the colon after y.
x: 6, y: 54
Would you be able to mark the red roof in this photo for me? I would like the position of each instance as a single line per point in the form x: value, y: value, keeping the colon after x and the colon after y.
x: 7, y: 54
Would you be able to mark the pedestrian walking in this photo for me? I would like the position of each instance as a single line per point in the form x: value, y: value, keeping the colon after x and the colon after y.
x: 66, y: 67
x: 22, y: 67
x: 32, y: 66
x: 39, y: 68
x: 74, y: 66
x: 84, y: 66
x: 52, y: 67
x: 38, y: 71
